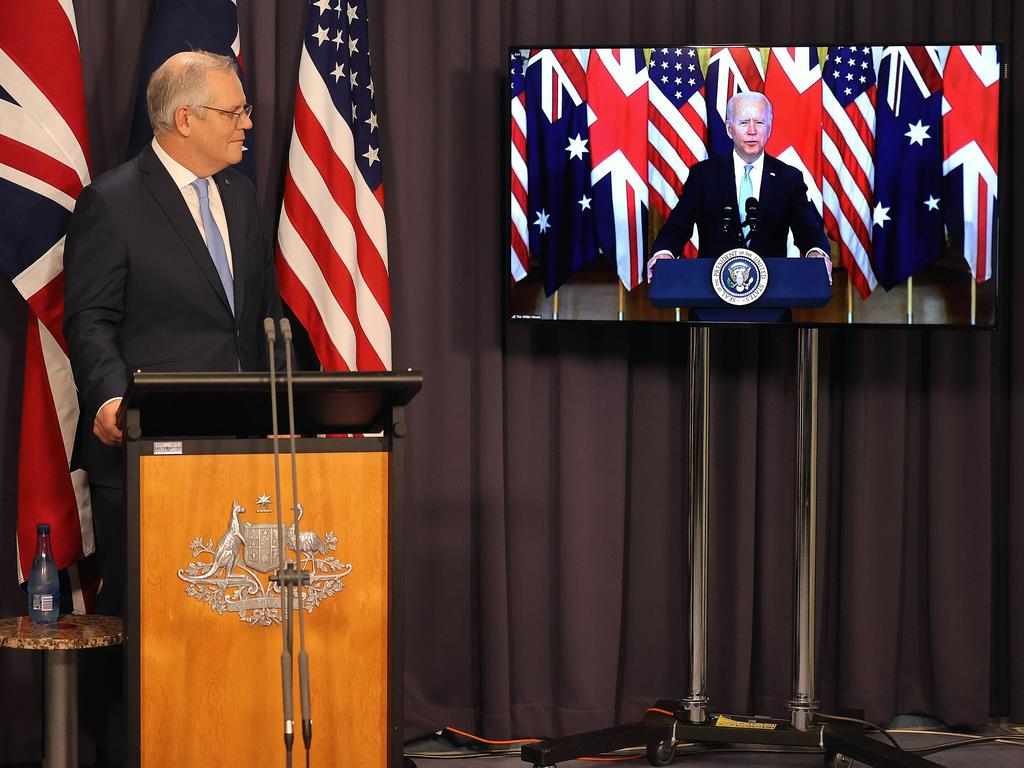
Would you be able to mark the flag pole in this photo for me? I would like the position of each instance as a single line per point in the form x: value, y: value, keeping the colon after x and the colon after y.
x: 622, y: 300
x: 974, y: 300
x: 554, y: 306
x: 910, y: 301
x: 849, y: 301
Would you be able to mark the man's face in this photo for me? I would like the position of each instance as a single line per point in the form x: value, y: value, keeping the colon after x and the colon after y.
x: 749, y: 129
x: 216, y: 138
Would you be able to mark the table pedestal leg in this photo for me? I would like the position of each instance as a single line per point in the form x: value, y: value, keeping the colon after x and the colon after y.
x: 61, y: 672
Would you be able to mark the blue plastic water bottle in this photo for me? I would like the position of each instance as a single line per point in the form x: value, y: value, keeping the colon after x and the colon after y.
x: 43, y: 586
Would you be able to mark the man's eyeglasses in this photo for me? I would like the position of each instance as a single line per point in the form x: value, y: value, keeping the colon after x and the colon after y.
x: 246, y: 110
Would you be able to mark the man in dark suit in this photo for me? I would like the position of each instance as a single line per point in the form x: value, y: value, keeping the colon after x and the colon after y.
x: 730, y: 180
x: 167, y: 268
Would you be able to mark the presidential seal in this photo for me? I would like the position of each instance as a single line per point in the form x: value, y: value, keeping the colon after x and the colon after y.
x: 231, y: 576
x: 739, y: 276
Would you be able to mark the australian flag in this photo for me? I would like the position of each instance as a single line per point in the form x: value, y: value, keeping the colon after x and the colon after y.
x: 560, y: 202
x: 187, y: 25
x: 908, y: 221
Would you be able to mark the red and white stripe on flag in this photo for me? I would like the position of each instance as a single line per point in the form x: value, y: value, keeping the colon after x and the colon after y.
x: 44, y: 157
x: 520, y: 235
x: 849, y: 96
x: 970, y: 134
x: 617, y: 96
x: 332, y: 261
x: 793, y: 85
x: 677, y: 129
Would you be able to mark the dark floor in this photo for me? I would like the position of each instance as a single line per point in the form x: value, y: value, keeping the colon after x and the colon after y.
x: 985, y: 755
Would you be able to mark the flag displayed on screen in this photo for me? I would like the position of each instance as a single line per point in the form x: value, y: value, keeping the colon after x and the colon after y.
x: 970, y: 131
x: 332, y: 258
x: 730, y: 71
x: 848, y: 148
x: 908, y: 227
x: 617, y: 96
x: 519, y: 178
x: 793, y: 85
x: 44, y: 164
x: 187, y: 25
x: 677, y: 128
x: 561, y: 200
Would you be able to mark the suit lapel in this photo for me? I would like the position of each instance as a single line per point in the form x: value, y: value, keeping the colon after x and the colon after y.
x: 168, y: 197
x: 235, y: 214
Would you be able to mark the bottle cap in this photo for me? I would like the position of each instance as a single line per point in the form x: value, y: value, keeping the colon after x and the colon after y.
x: 43, y: 528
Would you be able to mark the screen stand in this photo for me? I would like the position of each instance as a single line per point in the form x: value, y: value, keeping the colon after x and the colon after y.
x: 673, y: 722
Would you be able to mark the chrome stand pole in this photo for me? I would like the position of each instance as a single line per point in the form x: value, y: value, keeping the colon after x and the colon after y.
x: 803, y: 705
x: 697, y: 501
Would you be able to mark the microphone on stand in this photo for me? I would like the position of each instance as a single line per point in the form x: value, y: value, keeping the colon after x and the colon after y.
x: 751, y: 221
x: 304, y: 701
x: 286, y: 603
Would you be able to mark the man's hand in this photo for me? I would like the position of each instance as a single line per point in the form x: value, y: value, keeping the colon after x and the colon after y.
x: 104, y: 426
x: 654, y: 260
x: 817, y: 253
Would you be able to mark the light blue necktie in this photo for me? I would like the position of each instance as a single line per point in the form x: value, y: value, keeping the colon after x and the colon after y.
x: 214, y: 241
x: 746, y: 191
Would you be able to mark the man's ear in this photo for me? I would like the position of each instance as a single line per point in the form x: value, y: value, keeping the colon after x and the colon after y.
x: 183, y: 120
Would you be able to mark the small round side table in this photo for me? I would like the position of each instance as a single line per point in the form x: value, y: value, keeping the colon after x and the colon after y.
x: 61, y: 643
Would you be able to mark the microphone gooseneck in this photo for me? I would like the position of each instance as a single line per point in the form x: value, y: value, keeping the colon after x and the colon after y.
x: 287, y: 692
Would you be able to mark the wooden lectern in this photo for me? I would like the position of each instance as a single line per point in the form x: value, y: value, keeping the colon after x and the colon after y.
x: 203, y: 635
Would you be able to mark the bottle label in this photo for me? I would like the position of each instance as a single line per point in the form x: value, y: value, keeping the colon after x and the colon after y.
x: 42, y: 602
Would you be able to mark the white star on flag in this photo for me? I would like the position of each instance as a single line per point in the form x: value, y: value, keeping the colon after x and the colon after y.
x: 352, y: 15
x: 918, y: 133
x: 932, y: 202
x: 543, y: 221
x: 323, y: 5
x: 320, y: 35
x: 338, y: 39
x: 577, y: 146
x: 353, y: 43
x: 338, y: 72
x: 584, y: 203
x: 372, y: 121
x: 881, y: 215
x: 372, y: 155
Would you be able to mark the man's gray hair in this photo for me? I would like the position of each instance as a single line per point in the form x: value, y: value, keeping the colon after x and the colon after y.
x: 182, y: 83
x: 751, y: 96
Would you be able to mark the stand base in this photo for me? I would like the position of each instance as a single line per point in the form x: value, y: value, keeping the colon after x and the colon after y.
x: 666, y: 725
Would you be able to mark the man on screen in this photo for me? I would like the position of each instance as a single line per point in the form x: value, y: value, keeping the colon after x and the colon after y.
x: 718, y: 190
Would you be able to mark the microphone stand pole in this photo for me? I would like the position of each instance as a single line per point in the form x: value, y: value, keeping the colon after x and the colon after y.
x: 279, y: 577
x: 301, y: 577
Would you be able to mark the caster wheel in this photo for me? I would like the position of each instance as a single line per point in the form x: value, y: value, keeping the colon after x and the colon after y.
x: 661, y: 753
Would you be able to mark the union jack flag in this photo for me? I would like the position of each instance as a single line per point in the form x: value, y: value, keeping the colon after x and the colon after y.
x: 332, y: 261
x: 44, y: 164
x: 848, y: 146
x: 617, y: 97
x: 677, y: 128
x: 730, y: 71
x: 970, y: 131
x: 520, y: 173
x: 793, y: 85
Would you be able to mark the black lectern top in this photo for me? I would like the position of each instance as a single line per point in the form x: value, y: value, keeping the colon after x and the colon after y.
x: 238, y: 404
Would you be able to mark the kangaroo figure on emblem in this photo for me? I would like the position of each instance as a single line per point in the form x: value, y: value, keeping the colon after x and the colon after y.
x: 228, y: 548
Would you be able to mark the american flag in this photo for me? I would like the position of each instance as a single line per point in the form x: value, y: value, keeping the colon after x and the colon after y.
x: 520, y: 256
x: 730, y: 71
x: 848, y: 146
x: 44, y: 164
x: 677, y: 128
x: 186, y: 25
x: 970, y: 130
x: 332, y: 263
x: 793, y: 85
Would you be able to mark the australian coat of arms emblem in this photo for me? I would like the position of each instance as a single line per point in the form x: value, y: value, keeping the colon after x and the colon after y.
x: 232, y: 576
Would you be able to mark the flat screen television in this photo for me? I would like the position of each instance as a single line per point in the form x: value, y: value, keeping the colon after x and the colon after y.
x: 891, y: 156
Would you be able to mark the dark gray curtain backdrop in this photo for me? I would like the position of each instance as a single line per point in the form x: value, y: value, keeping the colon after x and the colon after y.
x: 546, y: 531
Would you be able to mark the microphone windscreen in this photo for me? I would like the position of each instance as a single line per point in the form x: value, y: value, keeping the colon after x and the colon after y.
x: 268, y: 328
x: 286, y: 329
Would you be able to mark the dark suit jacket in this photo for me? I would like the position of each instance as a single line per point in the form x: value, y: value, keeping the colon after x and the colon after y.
x: 783, y: 205
x: 141, y: 291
